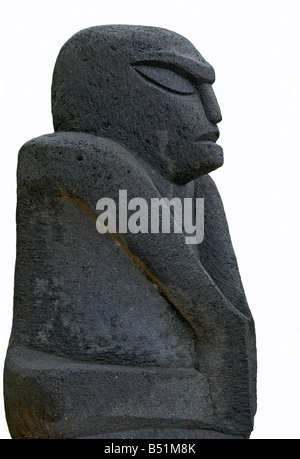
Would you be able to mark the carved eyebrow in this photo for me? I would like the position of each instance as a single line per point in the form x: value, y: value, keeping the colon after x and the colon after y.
x: 166, y: 78
x: 192, y: 69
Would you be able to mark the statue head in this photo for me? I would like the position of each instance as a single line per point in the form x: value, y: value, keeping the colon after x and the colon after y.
x: 145, y: 87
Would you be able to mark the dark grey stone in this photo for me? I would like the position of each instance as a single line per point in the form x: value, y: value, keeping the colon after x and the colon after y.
x: 126, y: 335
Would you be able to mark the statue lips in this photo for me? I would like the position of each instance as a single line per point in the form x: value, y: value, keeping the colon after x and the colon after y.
x: 211, y: 136
x: 206, y: 154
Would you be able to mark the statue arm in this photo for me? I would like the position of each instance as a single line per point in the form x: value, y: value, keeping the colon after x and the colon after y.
x: 82, y: 168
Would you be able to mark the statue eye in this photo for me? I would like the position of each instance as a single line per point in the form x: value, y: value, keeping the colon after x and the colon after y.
x: 166, y: 79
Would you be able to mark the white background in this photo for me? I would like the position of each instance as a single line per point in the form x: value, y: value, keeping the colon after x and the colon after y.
x: 254, y: 48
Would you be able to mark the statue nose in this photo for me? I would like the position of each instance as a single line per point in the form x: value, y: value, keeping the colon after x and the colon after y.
x: 210, y: 103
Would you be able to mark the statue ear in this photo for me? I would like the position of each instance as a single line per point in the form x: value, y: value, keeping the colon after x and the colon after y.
x: 165, y: 78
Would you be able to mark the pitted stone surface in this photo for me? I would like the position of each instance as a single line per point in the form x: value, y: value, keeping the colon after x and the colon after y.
x: 126, y: 335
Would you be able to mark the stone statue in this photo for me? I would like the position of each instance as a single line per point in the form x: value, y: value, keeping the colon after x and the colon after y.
x: 127, y: 334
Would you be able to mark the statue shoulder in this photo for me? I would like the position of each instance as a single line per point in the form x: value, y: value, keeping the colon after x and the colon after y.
x: 71, y: 146
x: 73, y: 153
x: 82, y: 163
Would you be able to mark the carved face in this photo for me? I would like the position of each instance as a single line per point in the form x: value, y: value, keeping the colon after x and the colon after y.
x: 147, y: 88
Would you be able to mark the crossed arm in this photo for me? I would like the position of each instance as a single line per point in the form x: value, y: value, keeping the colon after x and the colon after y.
x: 83, y: 168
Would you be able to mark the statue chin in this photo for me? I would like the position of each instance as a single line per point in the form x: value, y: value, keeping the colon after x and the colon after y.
x: 203, y: 158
